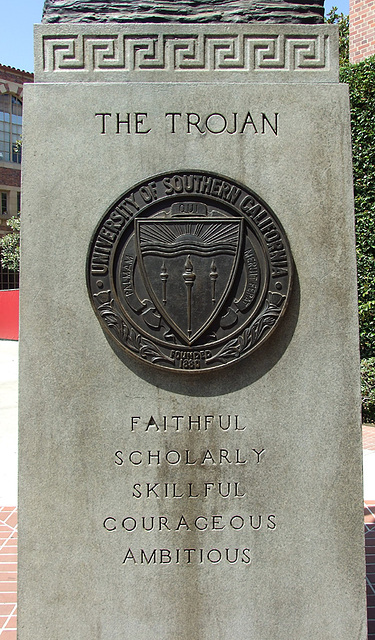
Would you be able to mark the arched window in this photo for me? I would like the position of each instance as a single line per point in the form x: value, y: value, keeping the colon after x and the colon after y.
x: 10, y: 128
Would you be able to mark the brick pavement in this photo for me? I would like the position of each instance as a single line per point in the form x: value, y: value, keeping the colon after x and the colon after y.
x: 8, y: 573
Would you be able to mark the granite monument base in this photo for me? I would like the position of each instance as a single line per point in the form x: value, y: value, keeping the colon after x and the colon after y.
x: 160, y: 503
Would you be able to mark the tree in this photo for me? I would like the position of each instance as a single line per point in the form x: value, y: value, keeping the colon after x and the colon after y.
x: 342, y: 20
x: 10, y: 246
x: 10, y: 243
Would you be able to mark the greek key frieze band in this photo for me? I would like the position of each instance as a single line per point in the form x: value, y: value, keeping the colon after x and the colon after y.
x: 185, y: 52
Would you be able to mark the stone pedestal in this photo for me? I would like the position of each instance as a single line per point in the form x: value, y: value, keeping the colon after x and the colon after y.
x: 157, y: 502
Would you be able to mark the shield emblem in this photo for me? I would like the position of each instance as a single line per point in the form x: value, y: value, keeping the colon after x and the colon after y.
x: 188, y: 266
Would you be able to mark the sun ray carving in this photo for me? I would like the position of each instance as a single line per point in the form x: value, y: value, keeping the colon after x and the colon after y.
x: 162, y: 233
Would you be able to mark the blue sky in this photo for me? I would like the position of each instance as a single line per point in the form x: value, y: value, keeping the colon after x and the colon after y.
x: 16, y: 29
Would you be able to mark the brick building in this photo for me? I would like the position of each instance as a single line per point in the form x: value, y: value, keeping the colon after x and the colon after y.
x: 361, y: 29
x: 11, y: 88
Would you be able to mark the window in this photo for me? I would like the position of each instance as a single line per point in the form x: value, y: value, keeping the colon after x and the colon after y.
x: 4, y: 203
x: 18, y: 201
x: 10, y: 128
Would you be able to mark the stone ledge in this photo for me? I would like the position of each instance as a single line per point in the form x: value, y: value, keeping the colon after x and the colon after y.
x: 170, y: 52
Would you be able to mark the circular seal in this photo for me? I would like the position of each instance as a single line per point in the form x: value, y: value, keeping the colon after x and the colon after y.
x: 189, y: 271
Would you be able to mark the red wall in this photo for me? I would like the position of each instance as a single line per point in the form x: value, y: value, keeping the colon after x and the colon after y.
x: 9, y: 311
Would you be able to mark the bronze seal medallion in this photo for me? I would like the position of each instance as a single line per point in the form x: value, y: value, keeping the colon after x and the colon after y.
x: 189, y: 271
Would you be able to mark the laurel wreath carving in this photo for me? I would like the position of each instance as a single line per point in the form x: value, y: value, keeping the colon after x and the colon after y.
x: 251, y: 335
x: 233, y: 349
x: 133, y: 340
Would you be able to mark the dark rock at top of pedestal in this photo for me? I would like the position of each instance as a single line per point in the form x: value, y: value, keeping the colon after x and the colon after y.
x: 184, y: 11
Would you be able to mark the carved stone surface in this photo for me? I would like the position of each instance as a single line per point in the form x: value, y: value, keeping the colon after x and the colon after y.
x: 183, y: 53
x: 279, y: 11
x: 278, y: 557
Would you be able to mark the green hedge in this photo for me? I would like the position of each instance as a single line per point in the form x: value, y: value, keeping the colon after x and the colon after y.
x: 361, y: 80
x: 368, y: 389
